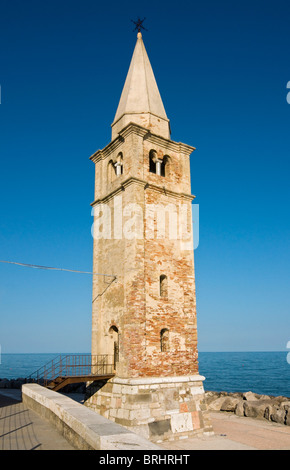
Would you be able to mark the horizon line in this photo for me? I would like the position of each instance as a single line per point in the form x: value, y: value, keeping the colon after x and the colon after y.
x: 245, y: 351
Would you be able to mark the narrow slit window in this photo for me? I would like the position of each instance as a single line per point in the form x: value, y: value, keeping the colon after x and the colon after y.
x: 152, y: 161
x: 114, y: 346
x: 163, y: 286
x: 164, y: 340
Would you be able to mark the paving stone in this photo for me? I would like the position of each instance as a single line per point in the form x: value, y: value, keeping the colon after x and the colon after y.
x: 23, y: 429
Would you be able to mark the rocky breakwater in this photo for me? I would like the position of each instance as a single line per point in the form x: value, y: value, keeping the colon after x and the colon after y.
x: 275, y: 409
x: 12, y: 383
x: 17, y: 384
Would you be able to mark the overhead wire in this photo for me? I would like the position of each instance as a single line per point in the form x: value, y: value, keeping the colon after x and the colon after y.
x: 35, y: 266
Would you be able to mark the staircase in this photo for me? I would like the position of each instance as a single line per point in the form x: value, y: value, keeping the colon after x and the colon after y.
x: 67, y: 369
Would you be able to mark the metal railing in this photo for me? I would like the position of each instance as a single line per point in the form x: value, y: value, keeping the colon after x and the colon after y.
x: 77, y: 365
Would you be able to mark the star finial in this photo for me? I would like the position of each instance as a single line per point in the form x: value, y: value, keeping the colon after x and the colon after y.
x: 139, y: 25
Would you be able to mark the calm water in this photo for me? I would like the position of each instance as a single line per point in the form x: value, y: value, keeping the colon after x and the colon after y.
x: 14, y: 366
x: 260, y: 372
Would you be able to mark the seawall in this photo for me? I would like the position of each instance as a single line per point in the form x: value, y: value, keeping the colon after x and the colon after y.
x: 82, y: 427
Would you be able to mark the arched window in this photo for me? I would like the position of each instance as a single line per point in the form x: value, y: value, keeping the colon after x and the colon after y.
x: 164, y: 340
x: 163, y: 286
x: 119, y: 164
x: 115, y: 167
x: 152, y: 161
x: 114, y: 347
x: 111, y: 171
x: 165, y: 166
x: 158, y: 165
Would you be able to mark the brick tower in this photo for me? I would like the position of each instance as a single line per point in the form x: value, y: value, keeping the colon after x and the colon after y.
x: 146, y: 317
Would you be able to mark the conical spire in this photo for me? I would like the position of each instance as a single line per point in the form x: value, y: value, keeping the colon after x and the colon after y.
x: 140, y: 101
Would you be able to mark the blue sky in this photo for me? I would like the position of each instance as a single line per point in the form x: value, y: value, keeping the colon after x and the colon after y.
x: 222, y: 70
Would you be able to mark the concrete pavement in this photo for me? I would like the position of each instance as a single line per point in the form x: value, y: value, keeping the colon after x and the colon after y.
x: 22, y: 429
x: 237, y: 433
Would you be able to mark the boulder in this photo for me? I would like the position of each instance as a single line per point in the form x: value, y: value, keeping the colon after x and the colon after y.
x: 240, y: 408
x: 272, y: 408
x: 5, y: 383
x: 212, y: 396
x: 285, y: 405
x: 230, y: 404
x: 279, y: 416
x: 255, y: 409
x: 216, y: 404
x: 278, y: 400
x: 18, y: 383
x: 81, y: 389
x: 264, y: 397
x: 250, y: 396
x: 269, y: 410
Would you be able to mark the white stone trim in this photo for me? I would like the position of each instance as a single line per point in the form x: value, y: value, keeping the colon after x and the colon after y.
x: 157, y: 380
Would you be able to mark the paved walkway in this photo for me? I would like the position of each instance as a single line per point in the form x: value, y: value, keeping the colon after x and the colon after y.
x: 237, y: 433
x: 22, y: 429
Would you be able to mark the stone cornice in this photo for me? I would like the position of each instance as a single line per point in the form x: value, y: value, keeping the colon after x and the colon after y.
x: 178, y: 147
x: 133, y: 128
x: 145, y: 185
x: 158, y: 380
x: 145, y: 112
x: 111, y: 147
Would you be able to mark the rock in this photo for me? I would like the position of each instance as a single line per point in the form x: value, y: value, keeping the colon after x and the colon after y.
x: 4, y: 383
x: 17, y: 383
x: 272, y: 408
x: 240, y: 408
x: 255, y: 409
x: 285, y: 405
x: 264, y: 397
x: 279, y: 400
x: 81, y: 389
x: 212, y: 396
x: 250, y: 396
x: 269, y: 410
x: 216, y: 404
x: 279, y: 416
x: 230, y: 404
x: 236, y: 395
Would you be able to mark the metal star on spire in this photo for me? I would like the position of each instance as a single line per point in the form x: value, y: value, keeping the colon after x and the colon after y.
x: 138, y: 25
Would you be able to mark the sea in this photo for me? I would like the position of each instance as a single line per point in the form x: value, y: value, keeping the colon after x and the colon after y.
x: 260, y: 372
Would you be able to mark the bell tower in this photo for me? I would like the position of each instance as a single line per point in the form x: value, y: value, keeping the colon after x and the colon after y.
x: 145, y: 316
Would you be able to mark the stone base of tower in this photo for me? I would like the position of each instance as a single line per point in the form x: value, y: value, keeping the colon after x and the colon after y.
x: 158, y: 409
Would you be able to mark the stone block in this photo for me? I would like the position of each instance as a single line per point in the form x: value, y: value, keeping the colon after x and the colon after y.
x: 195, y: 406
x: 195, y: 420
x: 183, y: 407
x: 181, y: 423
x: 160, y: 427
x: 140, y: 398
